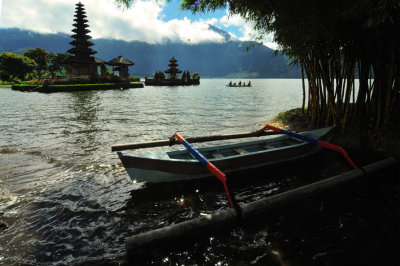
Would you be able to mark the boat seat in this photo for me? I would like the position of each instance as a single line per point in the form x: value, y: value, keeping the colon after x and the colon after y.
x: 268, y: 146
x: 240, y: 150
x: 216, y: 154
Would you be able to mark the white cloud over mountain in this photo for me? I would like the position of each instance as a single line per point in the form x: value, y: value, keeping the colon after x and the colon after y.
x: 140, y: 22
x: 247, y: 29
x: 143, y: 21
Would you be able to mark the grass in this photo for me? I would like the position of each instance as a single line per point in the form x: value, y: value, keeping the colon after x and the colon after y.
x: 75, y: 87
x: 294, y: 120
x: 81, y: 85
x: 4, y: 84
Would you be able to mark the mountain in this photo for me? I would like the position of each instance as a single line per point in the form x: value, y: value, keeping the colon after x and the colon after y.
x: 230, y: 59
x: 221, y: 32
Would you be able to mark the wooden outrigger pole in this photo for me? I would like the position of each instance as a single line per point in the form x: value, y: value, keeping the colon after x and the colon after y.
x: 159, y: 143
x: 312, y: 140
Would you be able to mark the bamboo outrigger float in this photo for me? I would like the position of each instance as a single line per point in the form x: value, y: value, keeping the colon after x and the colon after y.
x: 162, y: 236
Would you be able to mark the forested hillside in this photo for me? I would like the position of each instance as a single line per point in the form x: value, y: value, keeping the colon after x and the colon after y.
x: 230, y: 59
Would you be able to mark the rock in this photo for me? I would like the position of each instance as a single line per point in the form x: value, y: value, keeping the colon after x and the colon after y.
x: 3, y: 225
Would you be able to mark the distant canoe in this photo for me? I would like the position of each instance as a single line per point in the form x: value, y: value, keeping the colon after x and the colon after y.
x: 238, y: 85
x: 162, y: 166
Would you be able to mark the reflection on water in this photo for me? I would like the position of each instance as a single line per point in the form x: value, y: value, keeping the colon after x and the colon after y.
x: 66, y: 197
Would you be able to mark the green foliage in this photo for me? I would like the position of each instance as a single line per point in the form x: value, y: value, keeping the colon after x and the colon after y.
x: 15, y: 66
x: 186, y: 75
x: 109, y: 71
x: 55, y: 63
x: 195, y: 75
x: 159, y: 75
x: 83, y: 85
x: 41, y: 58
x: 6, y: 83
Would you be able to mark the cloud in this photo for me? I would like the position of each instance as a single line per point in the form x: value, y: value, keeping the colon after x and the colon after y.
x: 211, y: 21
x: 246, y: 28
x: 39, y: 15
x: 232, y: 20
x: 143, y: 21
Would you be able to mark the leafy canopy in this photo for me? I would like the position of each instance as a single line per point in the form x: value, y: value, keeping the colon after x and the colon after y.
x: 40, y: 56
x: 15, y: 66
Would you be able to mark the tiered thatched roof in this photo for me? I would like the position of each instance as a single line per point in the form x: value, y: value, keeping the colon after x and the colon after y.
x: 172, y: 67
x: 81, y: 51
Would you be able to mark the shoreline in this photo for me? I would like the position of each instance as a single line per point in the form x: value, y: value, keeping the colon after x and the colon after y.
x: 384, y: 142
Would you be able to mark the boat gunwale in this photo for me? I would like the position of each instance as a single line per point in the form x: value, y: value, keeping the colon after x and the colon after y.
x: 269, y: 139
x: 236, y: 155
x: 272, y: 140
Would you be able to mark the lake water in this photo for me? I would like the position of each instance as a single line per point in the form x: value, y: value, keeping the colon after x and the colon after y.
x: 66, y: 197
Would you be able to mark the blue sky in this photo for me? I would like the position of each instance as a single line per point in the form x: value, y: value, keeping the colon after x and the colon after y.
x: 172, y: 11
x: 152, y: 21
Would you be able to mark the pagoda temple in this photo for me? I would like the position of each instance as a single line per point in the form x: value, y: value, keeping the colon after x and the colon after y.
x: 172, y: 71
x: 82, y: 63
x: 173, y: 80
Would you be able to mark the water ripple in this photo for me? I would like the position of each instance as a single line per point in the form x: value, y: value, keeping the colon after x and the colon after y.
x: 65, y: 196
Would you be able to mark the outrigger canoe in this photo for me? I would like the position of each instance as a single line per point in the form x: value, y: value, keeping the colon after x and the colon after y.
x: 238, y: 85
x: 167, y: 166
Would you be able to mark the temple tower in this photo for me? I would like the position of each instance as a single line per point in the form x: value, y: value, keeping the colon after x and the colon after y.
x: 82, y: 63
x: 172, y: 71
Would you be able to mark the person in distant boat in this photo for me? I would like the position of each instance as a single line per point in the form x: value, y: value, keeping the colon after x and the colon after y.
x: 230, y: 83
x: 240, y: 83
x: 249, y: 83
x: 234, y: 84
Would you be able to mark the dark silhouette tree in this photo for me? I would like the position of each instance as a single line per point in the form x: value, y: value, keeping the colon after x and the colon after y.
x: 56, y: 62
x: 15, y: 66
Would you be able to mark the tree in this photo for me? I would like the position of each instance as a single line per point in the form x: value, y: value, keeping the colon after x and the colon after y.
x: 334, y: 41
x: 15, y: 66
x: 55, y: 62
x: 195, y: 75
x: 41, y: 58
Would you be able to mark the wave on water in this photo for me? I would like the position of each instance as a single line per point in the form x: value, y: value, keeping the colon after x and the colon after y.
x: 34, y: 153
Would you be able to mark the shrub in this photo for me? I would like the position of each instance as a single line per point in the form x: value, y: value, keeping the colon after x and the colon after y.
x: 15, y: 66
x: 195, y: 75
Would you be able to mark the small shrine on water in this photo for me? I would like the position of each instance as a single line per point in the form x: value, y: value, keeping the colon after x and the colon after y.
x: 173, y: 80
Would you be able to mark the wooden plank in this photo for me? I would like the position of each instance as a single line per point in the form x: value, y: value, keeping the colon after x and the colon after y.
x: 216, y: 154
x: 268, y: 147
x: 240, y: 150
x: 159, y: 143
x: 291, y: 141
